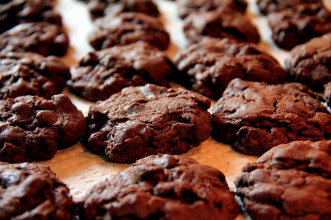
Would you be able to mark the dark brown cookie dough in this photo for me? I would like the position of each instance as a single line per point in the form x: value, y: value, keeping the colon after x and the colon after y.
x: 13, y: 12
x: 187, y: 7
x: 220, y: 24
x: 128, y: 28
x: 31, y: 74
x: 207, y: 67
x: 38, y: 37
x: 103, y: 73
x: 100, y: 8
x: 33, y: 128
x: 291, y: 181
x: 298, y: 25
x: 268, y: 6
x: 141, y: 121
x: 31, y: 191
x: 255, y: 116
x: 309, y: 63
x: 163, y: 187
x: 327, y: 93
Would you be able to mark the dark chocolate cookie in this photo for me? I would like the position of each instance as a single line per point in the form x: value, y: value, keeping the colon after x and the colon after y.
x: 268, y: 6
x: 298, y: 25
x: 309, y: 63
x: 38, y: 37
x: 31, y: 191
x: 33, y: 128
x: 255, y: 116
x: 220, y: 24
x: 162, y: 187
x: 187, y: 7
x: 128, y: 28
x: 207, y: 67
x: 103, y: 73
x: 141, y: 121
x: 327, y: 93
x: 291, y: 181
x: 100, y: 8
x: 13, y: 12
x: 31, y: 74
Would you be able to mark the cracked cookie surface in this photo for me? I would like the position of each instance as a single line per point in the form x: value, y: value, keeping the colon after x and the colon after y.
x: 31, y: 191
x: 13, y: 12
x: 220, y: 24
x: 103, y: 73
x: 100, y: 8
x: 291, y: 181
x: 140, y: 121
x: 268, y: 6
x: 31, y: 74
x: 255, y: 116
x: 163, y: 187
x: 309, y: 63
x: 38, y: 37
x: 127, y: 28
x: 187, y: 7
x: 208, y: 66
x: 298, y: 25
x: 33, y: 128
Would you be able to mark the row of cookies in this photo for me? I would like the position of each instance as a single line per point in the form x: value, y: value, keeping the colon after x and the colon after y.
x: 32, y: 26
x: 291, y: 181
x: 295, y: 22
x: 108, y: 71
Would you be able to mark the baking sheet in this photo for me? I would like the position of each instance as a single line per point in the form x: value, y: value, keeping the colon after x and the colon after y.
x: 76, y: 165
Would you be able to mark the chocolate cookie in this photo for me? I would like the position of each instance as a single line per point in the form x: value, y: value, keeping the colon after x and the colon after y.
x: 268, y: 6
x: 31, y: 74
x: 327, y: 92
x: 103, y: 73
x: 207, y: 67
x: 13, y: 12
x: 255, y: 116
x: 298, y: 25
x: 309, y: 63
x: 31, y: 191
x: 128, y: 28
x: 220, y: 24
x: 187, y: 7
x: 162, y: 187
x: 33, y: 128
x: 141, y: 121
x: 100, y: 8
x: 38, y: 37
x: 291, y: 181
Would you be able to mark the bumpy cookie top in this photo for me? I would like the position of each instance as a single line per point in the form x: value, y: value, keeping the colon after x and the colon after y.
x: 13, y: 12
x: 31, y: 74
x: 208, y: 66
x: 267, y: 6
x: 163, y: 187
x: 103, y: 73
x: 255, y: 116
x: 298, y: 25
x: 32, y: 128
x: 31, y: 191
x: 141, y: 121
x: 100, y: 8
x: 39, y: 37
x: 220, y: 24
x: 187, y: 7
x: 291, y: 181
x: 127, y: 28
x: 309, y: 63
